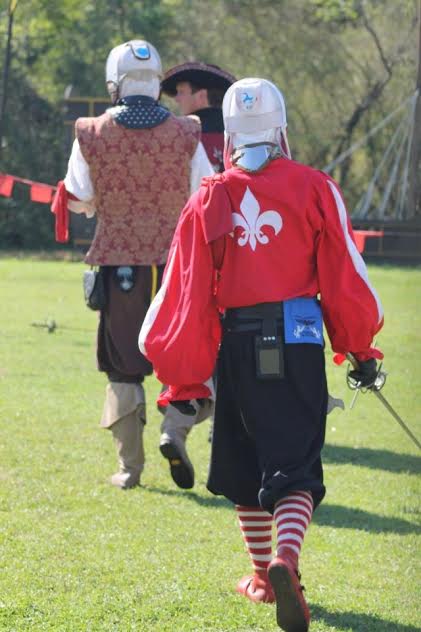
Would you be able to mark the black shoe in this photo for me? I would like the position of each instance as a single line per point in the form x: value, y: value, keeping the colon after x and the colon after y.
x: 181, y: 469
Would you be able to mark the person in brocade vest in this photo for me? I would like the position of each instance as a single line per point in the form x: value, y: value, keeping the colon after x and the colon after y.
x: 134, y: 167
x: 268, y: 242
x: 198, y: 89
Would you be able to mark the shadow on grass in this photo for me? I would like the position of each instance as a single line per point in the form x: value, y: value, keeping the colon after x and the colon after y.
x: 204, y: 501
x: 374, y: 459
x: 358, y: 622
x: 348, y: 518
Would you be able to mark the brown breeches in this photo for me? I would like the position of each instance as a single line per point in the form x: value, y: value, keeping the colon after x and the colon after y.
x: 118, y: 353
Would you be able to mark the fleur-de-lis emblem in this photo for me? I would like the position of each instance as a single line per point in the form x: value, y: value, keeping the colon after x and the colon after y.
x: 252, y: 222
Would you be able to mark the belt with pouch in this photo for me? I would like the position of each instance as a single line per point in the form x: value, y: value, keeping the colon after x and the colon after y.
x: 265, y: 320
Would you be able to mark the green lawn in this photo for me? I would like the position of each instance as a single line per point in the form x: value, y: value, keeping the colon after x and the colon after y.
x: 78, y: 555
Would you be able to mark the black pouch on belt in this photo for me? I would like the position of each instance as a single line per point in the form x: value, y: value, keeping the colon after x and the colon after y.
x: 269, y: 357
x: 94, y: 289
x: 269, y: 348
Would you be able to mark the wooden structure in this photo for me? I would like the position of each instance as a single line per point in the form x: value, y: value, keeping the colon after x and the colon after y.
x: 395, y: 242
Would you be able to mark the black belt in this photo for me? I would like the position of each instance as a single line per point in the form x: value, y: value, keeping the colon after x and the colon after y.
x: 263, y: 317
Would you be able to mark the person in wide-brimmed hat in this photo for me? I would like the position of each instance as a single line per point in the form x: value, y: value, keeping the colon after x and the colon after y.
x: 199, y: 89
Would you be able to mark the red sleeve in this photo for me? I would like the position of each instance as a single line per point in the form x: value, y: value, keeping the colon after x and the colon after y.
x: 351, y: 307
x: 181, y: 332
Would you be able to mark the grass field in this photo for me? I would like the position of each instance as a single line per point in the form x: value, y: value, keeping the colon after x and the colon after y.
x: 78, y: 555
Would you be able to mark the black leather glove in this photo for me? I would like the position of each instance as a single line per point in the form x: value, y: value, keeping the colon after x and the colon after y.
x: 184, y: 406
x: 365, y: 374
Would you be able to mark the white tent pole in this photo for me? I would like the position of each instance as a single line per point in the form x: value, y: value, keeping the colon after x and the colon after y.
x: 363, y: 140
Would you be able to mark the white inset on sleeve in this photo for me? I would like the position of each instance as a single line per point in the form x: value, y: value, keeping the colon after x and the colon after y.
x: 357, y: 259
x: 200, y: 167
x: 156, y: 304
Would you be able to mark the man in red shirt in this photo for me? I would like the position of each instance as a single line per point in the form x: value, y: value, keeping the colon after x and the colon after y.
x: 269, y: 244
x: 198, y: 89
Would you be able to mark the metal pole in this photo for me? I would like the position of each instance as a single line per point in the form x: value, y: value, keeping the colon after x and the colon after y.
x: 414, y: 193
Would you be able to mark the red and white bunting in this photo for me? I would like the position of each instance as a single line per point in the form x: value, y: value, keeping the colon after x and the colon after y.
x: 39, y: 192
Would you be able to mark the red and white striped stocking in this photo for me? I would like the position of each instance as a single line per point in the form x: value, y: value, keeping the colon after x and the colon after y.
x: 292, y: 516
x: 256, y: 527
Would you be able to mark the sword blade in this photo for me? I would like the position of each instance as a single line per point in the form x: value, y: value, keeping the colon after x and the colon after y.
x: 354, y: 399
x: 397, y: 418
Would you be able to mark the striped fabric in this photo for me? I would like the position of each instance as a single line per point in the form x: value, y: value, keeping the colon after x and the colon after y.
x: 292, y: 516
x: 357, y: 259
x: 256, y: 527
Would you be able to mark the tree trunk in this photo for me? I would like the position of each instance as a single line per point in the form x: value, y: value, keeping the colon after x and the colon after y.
x: 7, y: 59
x: 414, y: 193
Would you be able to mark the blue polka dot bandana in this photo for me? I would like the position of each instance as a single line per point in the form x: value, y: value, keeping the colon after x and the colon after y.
x: 139, y: 112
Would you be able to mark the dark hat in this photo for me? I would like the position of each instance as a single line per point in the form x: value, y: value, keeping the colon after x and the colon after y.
x: 202, y: 75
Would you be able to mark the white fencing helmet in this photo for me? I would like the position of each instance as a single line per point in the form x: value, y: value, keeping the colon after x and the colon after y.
x: 133, y: 68
x: 254, y: 114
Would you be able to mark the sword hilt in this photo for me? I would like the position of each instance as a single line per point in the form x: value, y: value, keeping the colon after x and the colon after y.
x: 375, y: 388
x: 379, y: 380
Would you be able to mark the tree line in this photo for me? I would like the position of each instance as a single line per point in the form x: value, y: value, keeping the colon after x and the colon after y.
x: 343, y: 66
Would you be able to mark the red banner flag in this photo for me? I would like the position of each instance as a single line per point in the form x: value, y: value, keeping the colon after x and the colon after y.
x: 6, y: 184
x: 41, y: 193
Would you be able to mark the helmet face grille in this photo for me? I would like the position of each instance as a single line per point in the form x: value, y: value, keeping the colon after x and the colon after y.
x: 255, y: 157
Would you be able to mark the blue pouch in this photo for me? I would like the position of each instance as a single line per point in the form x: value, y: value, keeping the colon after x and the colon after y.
x: 303, y: 322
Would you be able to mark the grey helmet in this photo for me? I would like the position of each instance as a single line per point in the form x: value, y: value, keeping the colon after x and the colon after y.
x: 255, y: 123
x: 133, y: 68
